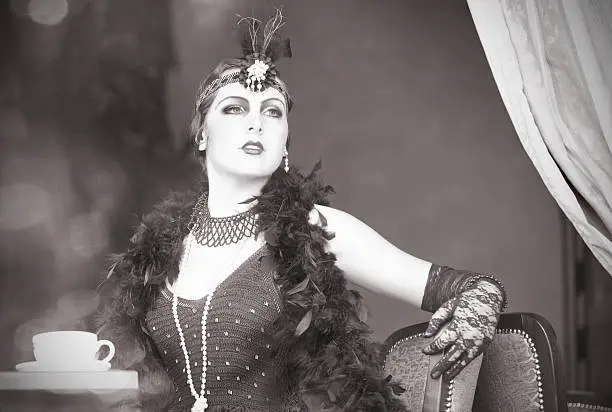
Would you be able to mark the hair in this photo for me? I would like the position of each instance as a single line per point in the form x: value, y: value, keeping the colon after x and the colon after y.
x: 200, y: 112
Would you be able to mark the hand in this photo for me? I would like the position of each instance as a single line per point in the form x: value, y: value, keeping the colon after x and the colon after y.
x: 472, y: 317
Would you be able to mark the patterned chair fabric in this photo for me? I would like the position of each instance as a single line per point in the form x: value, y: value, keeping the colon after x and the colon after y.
x: 408, y: 365
x: 522, y: 369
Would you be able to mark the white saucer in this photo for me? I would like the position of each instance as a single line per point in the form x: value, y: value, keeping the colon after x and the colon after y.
x: 35, y: 366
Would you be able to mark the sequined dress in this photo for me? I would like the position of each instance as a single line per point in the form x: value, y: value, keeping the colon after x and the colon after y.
x: 240, y: 373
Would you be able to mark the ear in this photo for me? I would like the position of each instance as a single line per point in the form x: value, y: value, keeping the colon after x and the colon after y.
x: 203, y: 141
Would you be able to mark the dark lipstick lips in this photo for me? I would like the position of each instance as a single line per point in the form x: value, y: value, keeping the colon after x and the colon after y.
x: 251, y: 144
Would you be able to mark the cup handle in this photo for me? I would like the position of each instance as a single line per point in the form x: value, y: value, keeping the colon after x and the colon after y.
x: 111, y: 349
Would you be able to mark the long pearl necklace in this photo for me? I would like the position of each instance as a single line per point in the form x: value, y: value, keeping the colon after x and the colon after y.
x: 201, y: 403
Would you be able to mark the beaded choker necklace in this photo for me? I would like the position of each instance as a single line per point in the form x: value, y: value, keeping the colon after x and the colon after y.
x: 220, y: 231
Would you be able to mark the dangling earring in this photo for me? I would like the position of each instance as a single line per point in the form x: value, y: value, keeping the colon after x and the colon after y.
x: 203, y: 142
x: 286, y: 161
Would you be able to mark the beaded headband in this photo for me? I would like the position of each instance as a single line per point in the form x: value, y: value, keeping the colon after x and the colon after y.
x: 257, y: 66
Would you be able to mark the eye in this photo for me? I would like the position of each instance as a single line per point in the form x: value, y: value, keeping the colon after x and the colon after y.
x: 274, y: 112
x: 233, y: 109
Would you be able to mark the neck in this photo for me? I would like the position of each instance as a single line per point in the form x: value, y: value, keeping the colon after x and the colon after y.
x: 226, y: 194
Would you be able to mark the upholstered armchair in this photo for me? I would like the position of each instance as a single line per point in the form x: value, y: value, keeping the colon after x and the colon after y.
x: 406, y: 362
x: 521, y: 370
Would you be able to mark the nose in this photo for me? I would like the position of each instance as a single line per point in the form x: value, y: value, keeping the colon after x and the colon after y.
x: 256, y: 126
x: 255, y: 129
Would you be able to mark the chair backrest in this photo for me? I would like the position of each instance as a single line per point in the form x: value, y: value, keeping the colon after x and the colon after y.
x: 410, y: 367
x: 522, y: 368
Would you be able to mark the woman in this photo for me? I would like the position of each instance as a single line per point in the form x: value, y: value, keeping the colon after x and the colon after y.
x: 233, y: 297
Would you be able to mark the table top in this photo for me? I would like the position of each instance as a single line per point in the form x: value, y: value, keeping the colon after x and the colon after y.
x: 73, y: 382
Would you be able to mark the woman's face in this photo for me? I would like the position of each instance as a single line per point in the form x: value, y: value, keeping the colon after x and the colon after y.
x: 246, y: 132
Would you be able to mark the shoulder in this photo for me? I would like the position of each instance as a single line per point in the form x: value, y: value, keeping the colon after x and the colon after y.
x: 156, y: 240
x: 175, y: 204
x: 331, y: 218
x: 169, y: 215
x: 349, y: 234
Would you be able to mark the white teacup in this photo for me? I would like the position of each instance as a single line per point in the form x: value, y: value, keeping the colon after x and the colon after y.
x: 70, y: 347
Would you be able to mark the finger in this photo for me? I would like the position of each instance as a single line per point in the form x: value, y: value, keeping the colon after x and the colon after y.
x: 447, y: 361
x: 440, y: 317
x: 468, y: 356
x: 458, y: 366
x: 444, y: 339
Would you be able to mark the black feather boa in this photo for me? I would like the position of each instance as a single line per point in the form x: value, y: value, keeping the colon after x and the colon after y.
x: 330, y: 357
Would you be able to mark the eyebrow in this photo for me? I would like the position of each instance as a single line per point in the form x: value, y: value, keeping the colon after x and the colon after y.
x: 244, y: 99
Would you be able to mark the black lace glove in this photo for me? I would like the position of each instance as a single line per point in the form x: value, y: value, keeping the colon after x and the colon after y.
x: 471, y: 319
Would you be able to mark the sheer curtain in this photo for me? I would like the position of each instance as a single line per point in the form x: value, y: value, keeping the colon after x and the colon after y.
x: 552, y: 62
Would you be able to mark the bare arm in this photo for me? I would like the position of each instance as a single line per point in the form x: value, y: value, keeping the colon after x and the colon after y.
x: 371, y: 261
x: 470, y: 314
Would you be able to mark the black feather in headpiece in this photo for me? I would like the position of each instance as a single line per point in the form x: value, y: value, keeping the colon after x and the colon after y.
x: 266, y: 42
x: 261, y: 48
